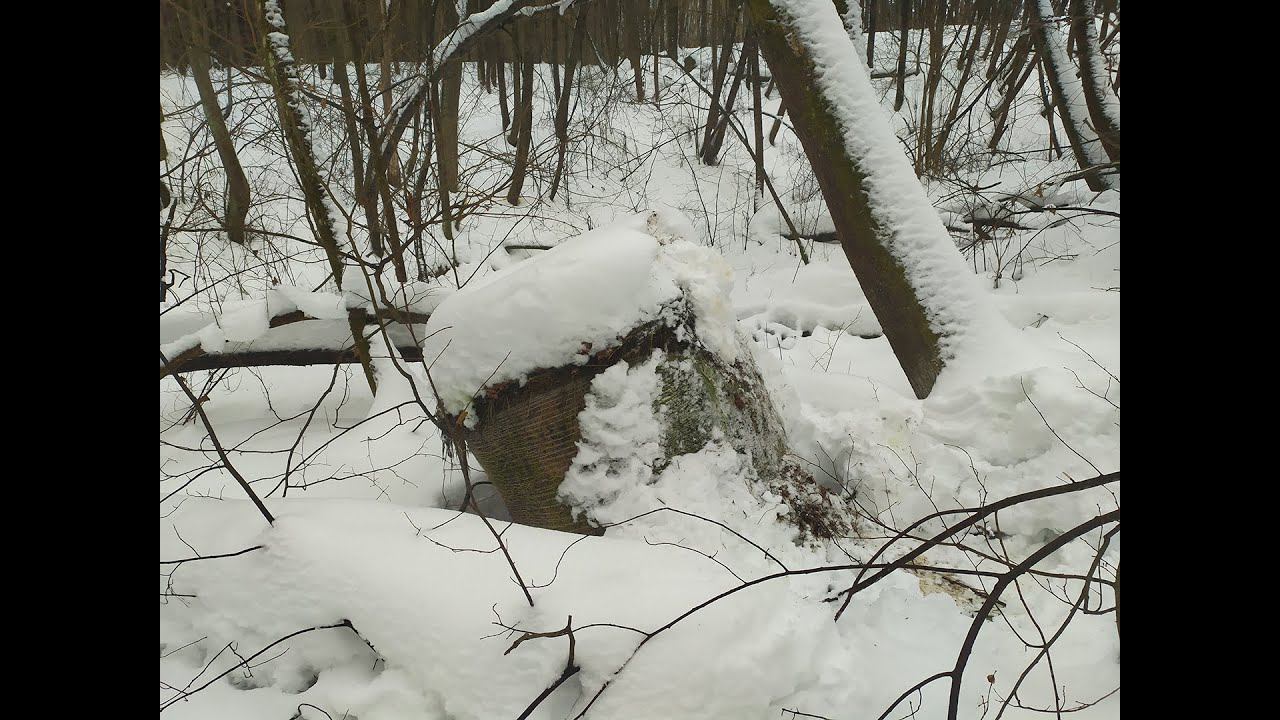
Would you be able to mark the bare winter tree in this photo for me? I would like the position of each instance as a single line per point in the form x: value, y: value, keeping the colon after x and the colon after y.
x: 1104, y: 106
x: 237, y: 197
x: 1068, y: 96
x: 295, y: 120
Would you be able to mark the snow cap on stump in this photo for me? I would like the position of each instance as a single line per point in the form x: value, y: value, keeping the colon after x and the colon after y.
x: 565, y: 304
x: 519, y: 353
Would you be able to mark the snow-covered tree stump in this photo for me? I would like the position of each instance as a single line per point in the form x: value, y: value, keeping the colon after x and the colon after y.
x: 523, y: 355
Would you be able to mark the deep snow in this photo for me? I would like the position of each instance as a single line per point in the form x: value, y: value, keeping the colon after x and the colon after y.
x: 363, y: 489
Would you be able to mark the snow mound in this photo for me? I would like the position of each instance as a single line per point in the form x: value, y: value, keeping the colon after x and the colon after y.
x: 576, y: 299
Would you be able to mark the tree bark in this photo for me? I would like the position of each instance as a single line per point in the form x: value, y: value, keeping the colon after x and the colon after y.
x: 447, y: 121
x: 1117, y: 598
x: 777, y: 122
x: 562, y: 106
x: 1067, y: 91
x: 1020, y: 71
x: 631, y: 43
x: 673, y: 28
x: 904, y: 18
x: 1104, y: 108
x: 238, y: 197
x: 296, y: 123
x: 711, y: 152
x: 501, y: 69
x: 967, y: 54
x: 392, y: 169
x: 346, y: 53
x: 871, y: 34
x: 525, y: 123
x: 718, y: 73
x: 757, y: 117
x: 866, y: 232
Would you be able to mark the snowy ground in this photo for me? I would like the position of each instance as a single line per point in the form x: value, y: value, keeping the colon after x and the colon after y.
x: 362, y: 488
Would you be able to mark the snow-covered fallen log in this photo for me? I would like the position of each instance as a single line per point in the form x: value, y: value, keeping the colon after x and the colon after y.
x: 288, y: 326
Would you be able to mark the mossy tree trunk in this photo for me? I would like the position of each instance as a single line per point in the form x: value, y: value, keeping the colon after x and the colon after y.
x: 864, y: 235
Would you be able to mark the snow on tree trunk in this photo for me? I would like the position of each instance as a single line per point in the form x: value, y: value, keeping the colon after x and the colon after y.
x: 851, y: 15
x: 295, y: 120
x: 1068, y: 95
x: 1104, y: 106
x: 928, y: 303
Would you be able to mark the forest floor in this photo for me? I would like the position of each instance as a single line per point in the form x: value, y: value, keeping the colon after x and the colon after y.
x: 367, y: 531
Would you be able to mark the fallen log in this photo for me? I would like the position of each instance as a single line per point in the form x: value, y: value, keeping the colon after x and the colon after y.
x: 196, y: 358
x: 274, y: 358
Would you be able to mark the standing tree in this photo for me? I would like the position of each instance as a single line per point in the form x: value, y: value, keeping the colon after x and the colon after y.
x: 1104, y: 107
x: 237, y: 202
x: 904, y: 18
x: 295, y: 120
x: 1068, y: 95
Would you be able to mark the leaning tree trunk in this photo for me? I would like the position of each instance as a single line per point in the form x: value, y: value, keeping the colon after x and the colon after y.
x: 1068, y: 96
x: 968, y: 51
x: 850, y: 12
x: 237, y: 201
x: 718, y: 71
x: 711, y: 152
x: 913, y: 277
x: 383, y: 20
x: 1001, y: 21
x: 295, y: 120
x: 1023, y: 64
x: 1104, y: 108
